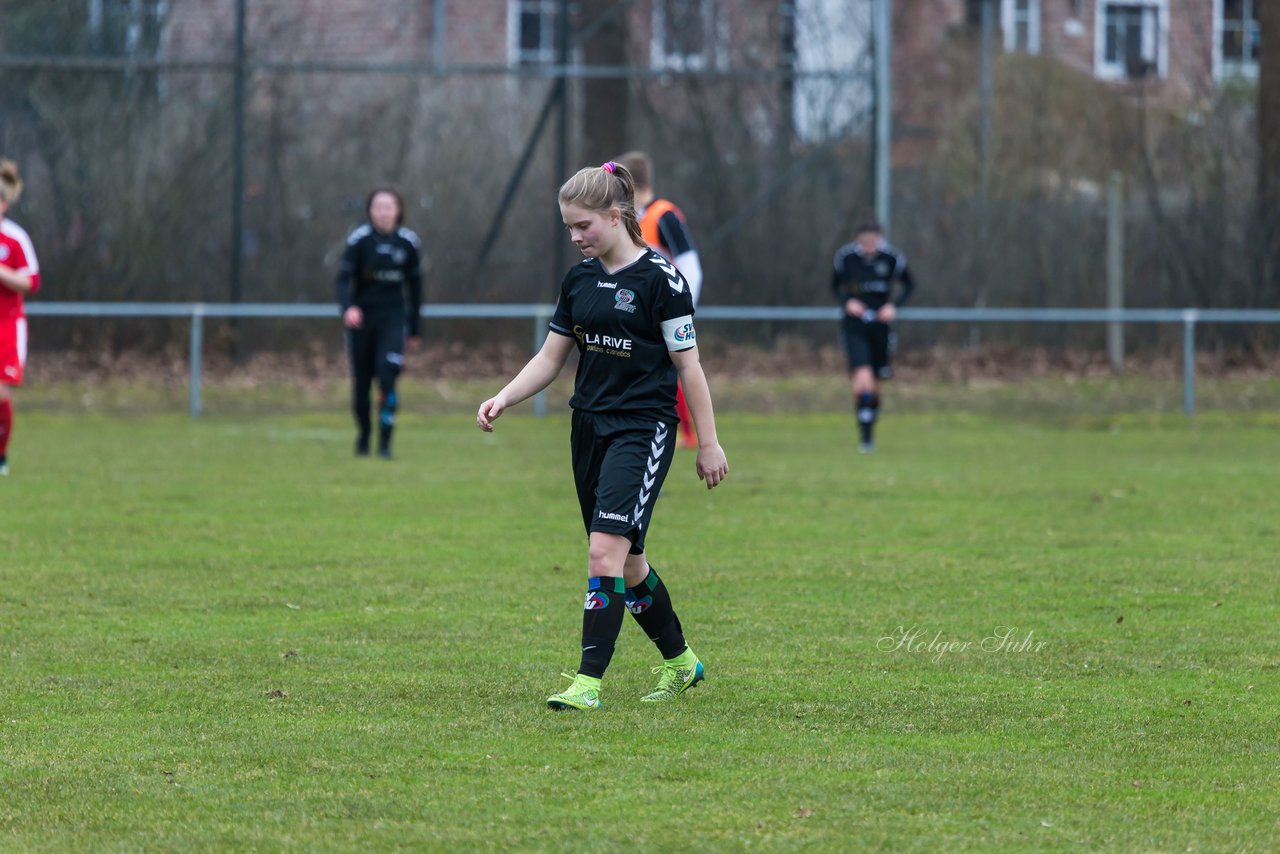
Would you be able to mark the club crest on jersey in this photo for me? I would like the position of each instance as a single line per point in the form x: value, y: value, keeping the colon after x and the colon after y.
x: 624, y: 300
x: 882, y: 269
x: 686, y: 333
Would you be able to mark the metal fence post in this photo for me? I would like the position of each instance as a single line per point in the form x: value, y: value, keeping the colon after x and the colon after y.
x: 1115, y: 268
x: 197, y: 349
x: 1189, y: 361
x: 540, y: 320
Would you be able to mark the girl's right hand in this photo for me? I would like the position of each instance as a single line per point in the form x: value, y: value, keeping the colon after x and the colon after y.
x: 489, y: 412
x: 353, y: 318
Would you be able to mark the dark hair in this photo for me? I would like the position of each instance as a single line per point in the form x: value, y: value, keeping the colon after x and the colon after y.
x: 599, y: 188
x: 640, y: 167
x: 10, y: 181
x: 393, y: 193
x: 869, y: 225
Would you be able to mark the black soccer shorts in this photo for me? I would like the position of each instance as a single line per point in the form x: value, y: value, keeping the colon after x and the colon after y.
x: 868, y: 345
x: 619, y: 464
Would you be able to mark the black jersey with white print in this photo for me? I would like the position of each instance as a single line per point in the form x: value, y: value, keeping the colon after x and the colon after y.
x: 626, y: 325
x: 869, y: 278
x: 381, y: 273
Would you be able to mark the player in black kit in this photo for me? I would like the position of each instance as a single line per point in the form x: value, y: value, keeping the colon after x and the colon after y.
x: 380, y: 271
x: 862, y: 283
x: 630, y: 314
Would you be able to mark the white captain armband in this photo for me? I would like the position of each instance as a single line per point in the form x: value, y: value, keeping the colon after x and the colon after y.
x: 678, y: 333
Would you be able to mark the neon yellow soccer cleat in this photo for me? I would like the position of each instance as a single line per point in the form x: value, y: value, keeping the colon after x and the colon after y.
x: 679, y: 674
x: 583, y: 694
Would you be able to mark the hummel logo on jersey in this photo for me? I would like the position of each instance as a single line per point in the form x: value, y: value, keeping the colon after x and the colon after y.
x: 606, y: 284
x: 673, y: 277
x: 616, y: 517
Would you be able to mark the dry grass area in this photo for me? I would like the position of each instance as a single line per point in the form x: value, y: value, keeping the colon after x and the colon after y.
x: 789, y: 357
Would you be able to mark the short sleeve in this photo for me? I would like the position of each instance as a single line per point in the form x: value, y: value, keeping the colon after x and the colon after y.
x: 673, y: 308
x: 674, y: 297
x: 562, y: 318
x: 21, y: 258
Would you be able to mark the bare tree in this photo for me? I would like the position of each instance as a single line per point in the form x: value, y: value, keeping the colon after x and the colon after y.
x: 602, y: 33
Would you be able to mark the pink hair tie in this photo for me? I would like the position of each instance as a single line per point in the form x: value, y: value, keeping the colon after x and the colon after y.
x: 609, y: 166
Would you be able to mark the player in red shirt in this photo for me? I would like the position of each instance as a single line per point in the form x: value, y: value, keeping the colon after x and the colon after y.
x: 19, y: 275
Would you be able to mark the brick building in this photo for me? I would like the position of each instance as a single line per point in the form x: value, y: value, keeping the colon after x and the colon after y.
x: 1185, y: 46
x: 1172, y: 51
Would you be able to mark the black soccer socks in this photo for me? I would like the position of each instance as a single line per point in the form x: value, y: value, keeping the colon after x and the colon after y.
x: 650, y: 604
x: 601, y: 621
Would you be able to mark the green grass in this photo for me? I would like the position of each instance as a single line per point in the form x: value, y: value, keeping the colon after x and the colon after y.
x: 231, y: 635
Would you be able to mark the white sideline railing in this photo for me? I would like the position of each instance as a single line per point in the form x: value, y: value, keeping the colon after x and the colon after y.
x: 540, y: 314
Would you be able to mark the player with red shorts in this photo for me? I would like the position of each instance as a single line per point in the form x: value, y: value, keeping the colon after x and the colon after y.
x: 664, y: 228
x: 19, y: 276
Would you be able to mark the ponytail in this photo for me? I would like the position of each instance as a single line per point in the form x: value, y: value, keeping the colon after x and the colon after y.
x: 600, y: 188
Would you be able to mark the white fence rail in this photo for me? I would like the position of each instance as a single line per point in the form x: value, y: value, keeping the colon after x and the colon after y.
x: 540, y: 314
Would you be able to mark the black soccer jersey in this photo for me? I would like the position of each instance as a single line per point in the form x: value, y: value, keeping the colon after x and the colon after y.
x: 625, y: 324
x: 380, y: 273
x: 869, y: 278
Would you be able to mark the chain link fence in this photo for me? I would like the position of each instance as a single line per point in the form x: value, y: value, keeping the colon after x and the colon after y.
x: 220, y: 150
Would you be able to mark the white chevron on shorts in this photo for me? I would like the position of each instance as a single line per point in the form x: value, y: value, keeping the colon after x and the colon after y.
x: 654, y: 461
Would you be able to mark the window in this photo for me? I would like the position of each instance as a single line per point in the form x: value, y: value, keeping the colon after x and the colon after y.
x: 124, y: 27
x: 1020, y: 20
x: 1129, y: 41
x: 533, y: 26
x: 973, y: 12
x: 832, y: 36
x: 686, y: 34
x: 1238, y: 37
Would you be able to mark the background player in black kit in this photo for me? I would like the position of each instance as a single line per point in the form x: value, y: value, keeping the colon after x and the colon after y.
x: 862, y: 282
x: 629, y: 312
x: 380, y: 271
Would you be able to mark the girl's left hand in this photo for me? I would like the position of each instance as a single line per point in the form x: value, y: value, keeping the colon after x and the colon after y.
x: 712, y: 465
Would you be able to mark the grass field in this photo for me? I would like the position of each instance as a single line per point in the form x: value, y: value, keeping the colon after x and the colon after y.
x: 231, y: 635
